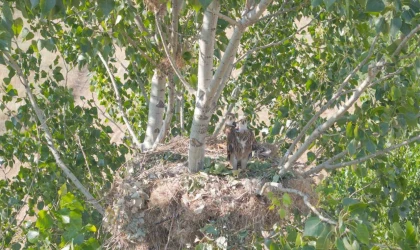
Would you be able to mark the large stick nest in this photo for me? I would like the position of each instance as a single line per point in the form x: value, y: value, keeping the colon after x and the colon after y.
x: 156, y: 203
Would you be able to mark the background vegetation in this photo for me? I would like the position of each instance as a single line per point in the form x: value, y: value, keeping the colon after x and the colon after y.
x: 357, y: 59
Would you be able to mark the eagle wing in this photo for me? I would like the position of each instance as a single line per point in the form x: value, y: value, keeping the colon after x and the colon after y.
x: 246, y: 141
x: 230, y: 140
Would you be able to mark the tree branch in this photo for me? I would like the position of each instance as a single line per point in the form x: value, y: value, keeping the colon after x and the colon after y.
x: 405, y: 40
x: 226, y: 18
x: 365, y: 158
x: 169, y: 113
x: 138, y: 20
x: 283, y: 11
x: 119, y: 104
x: 305, y: 197
x: 187, y: 86
x: 372, y: 72
x: 251, y: 51
x: 49, y: 137
x: 328, y: 104
x: 226, y: 63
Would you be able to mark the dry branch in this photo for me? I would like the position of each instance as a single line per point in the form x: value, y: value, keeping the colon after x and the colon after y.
x: 49, y: 137
x: 120, y: 107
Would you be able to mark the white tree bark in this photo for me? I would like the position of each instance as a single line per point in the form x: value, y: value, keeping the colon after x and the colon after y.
x: 209, y: 86
x: 170, y: 110
x: 156, y: 109
x: 205, y: 72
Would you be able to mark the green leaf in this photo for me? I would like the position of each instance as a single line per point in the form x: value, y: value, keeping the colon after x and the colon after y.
x: 310, y: 156
x: 323, y: 242
x: 329, y: 3
x: 276, y: 128
x: 9, y: 125
x: 315, y: 3
x: 205, y: 3
x: 397, y: 230
x: 34, y: 3
x: 282, y: 212
x: 395, y: 26
x: 287, y: 201
x: 106, y: 6
x: 7, y: 16
x: 370, y: 146
x: 349, y: 130
x: 68, y: 201
x: 410, y: 232
x: 340, y: 244
x: 32, y: 236
x: 17, y: 26
x: 349, y: 201
x: 313, y: 227
x: 91, y: 228
x: 351, y: 147
x: 375, y: 6
x: 16, y: 246
x: 26, y: 34
x: 395, y: 93
x: 347, y: 244
x: 47, y: 6
x: 362, y: 233
x: 417, y: 64
x: 44, y: 220
x: 292, y: 133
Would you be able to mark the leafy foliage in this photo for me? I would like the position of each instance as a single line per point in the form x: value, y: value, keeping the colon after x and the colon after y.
x: 292, y: 77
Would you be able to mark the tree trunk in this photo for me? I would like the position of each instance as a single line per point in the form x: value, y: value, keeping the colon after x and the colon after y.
x: 170, y: 110
x: 202, y: 111
x: 156, y: 109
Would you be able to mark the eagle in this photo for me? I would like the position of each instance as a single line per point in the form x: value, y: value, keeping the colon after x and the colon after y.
x: 245, y: 142
x: 240, y: 141
x: 231, y: 141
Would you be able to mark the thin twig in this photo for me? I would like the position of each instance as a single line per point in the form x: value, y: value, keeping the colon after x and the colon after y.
x: 138, y: 20
x: 187, y: 86
x: 251, y: 51
x: 105, y: 115
x: 405, y: 40
x: 119, y: 103
x: 376, y: 154
x: 282, y: 12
